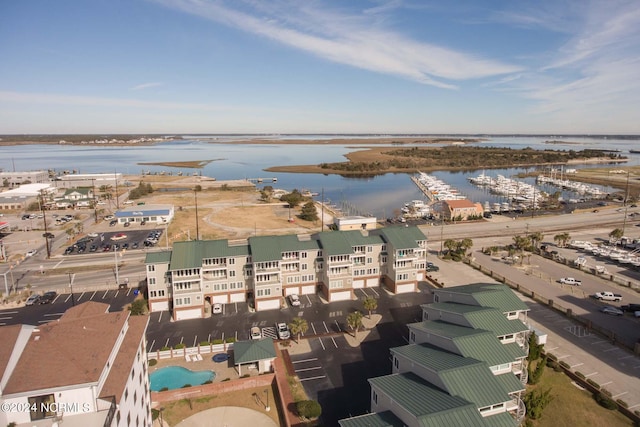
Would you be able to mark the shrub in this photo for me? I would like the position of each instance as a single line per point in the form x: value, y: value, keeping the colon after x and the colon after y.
x: 154, y: 414
x: 217, y: 341
x: 565, y: 365
x: 535, y: 349
x: 593, y: 383
x: 535, y: 375
x: 186, y: 386
x: 605, y: 401
x: 164, y: 389
x: 208, y: 382
x: 552, y: 356
x: 153, y: 362
x: 246, y: 376
x: 309, y: 409
x: 230, y: 339
x: 580, y: 375
x: 165, y: 348
x: 226, y: 379
x: 607, y: 392
x: 204, y: 343
x: 179, y: 346
x: 138, y: 307
x: 535, y: 402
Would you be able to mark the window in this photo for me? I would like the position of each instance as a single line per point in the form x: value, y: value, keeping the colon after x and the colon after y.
x: 304, y: 266
x: 42, y: 407
x: 375, y: 397
x: 402, y: 276
x: 126, y: 393
x: 396, y: 363
x: 152, y: 280
x: 412, y: 337
x: 303, y: 254
x: 369, y: 260
x: 232, y: 273
x: 232, y: 261
x: 151, y: 267
x: 369, y: 248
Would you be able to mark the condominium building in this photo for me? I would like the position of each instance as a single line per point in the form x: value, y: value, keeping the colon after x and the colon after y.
x: 465, y: 364
x: 88, y: 368
x: 263, y: 269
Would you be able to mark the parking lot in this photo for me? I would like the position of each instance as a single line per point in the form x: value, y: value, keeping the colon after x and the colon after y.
x: 42, y: 313
x: 127, y: 239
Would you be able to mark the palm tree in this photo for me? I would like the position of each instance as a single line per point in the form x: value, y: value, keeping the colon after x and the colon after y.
x: 354, y: 320
x: 370, y: 304
x: 106, y: 191
x: 562, y: 238
x: 298, y: 326
x: 536, y: 237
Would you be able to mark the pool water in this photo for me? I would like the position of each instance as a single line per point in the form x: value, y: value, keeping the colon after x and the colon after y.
x: 173, y: 377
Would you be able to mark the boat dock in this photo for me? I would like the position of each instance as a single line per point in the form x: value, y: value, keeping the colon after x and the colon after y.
x: 423, y: 188
x: 260, y: 180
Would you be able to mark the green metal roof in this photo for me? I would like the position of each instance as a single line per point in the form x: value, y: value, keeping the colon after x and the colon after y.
x: 461, y: 376
x: 503, y: 419
x: 270, y: 248
x: 516, y: 351
x: 163, y: 257
x: 489, y: 295
x: 427, y: 403
x: 190, y: 254
x: 476, y: 343
x: 377, y: 419
x: 510, y: 383
x: 488, y: 318
x: 342, y: 242
x: 401, y: 237
x: 253, y: 351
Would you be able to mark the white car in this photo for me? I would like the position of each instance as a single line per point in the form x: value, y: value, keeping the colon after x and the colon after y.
x: 283, y: 331
x: 32, y: 299
x: 32, y: 252
x: 255, y: 333
x: 216, y: 308
x: 294, y: 300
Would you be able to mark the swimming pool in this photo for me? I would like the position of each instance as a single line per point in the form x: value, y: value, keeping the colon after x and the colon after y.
x: 173, y: 377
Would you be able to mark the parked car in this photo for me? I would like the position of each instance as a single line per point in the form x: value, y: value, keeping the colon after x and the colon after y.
x: 48, y: 297
x: 109, y: 217
x: 127, y: 224
x: 630, y: 307
x: 216, y: 308
x: 113, y: 223
x: 294, y: 300
x: 255, y: 333
x: 607, y: 296
x: 31, y: 252
x: 283, y: 331
x: 613, y: 311
x: 32, y: 299
x: 432, y: 267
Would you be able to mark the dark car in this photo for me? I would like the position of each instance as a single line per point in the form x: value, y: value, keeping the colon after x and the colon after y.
x: 93, y: 248
x: 68, y: 250
x: 432, y: 267
x: 113, y: 223
x: 630, y: 307
x: 48, y: 297
x: 127, y: 224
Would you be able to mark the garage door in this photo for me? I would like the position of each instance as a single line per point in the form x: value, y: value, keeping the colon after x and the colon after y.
x: 373, y: 282
x: 403, y: 289
x: 308, y: 290
x: 359, y: 283
x: 272, y: 304
x: 222, y: 299
x: 160, y: 306
x: 239, y: 297
x: 194, y: 313
x: 340, y: 296
x: 291, y: 291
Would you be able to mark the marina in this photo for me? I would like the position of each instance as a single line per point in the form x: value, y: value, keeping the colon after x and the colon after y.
x: 521, y: 194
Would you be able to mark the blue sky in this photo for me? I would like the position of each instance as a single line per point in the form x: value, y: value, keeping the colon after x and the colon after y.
x: 293, y: 66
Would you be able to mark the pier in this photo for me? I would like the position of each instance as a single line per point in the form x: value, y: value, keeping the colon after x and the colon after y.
x: 261, y: 180
x: 423, y: 188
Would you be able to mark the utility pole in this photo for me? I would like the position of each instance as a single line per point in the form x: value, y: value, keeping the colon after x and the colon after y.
x: 46, y: 232
x: 195, y: 193
x: 71, y: 277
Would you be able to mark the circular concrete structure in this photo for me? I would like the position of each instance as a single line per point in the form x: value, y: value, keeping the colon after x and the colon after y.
x: 228, y: 416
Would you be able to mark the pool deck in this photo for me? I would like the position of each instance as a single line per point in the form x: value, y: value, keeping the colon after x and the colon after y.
x: 223, y: 370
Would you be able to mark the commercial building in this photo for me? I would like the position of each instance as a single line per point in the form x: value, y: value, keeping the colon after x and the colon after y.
x: 89, y: 180
x: 20, y: 197
x: 89, y: 368
x: 355, y: 223
x: 15, y: 179
x: 264, y: 269
x: 465, y: 364
x: 157, y: 214
x: 460, y: 210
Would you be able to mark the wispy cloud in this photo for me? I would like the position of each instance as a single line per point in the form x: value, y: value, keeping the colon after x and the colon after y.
x: 146, y: 85
x: 352, y: 39
x: 592, y: 78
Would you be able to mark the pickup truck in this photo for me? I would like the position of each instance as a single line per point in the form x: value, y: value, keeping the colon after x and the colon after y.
x: 607, y: 296
x: 570, y: 281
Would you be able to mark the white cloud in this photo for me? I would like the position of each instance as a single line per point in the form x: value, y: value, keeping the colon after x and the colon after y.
x: 354, y: 40
x: 146, y: 85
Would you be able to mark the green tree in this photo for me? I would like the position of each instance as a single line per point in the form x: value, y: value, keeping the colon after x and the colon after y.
x: 535, y: 349
x: 535, y: 401
x: 536, y: 237
x: 354, y: 320
x: 309, y: 211
x: 562, y: 238
x: 298, y: 326
x: 370, y: 304
x: 138, y: 307
x: 293, y: 199
x: 616, y: 234
x: 309, y: 409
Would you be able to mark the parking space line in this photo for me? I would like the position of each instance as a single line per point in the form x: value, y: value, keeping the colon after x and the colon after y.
x: 576, y: 365
x: 308, y: 369
x: 167, y: 343
x: 305, y: 360
x: 611, y: 349
x: 6, y: 318
x: 129, y: 291
x: 325, y: 326
x: 338, y: 326
x: 195, y: 340
x: 591, y: 374
x: 334, y: 342
x: 375, y: 292
x: 116, y: 293
x: 80, y: 297
x: 3, y: 324
x: 313, y: 378
x: 67, y: 298
x: 105, y: 294
x: 626, y: 357
x: 8, y: 312
x: 160, y: 317
x: 620, y: 394
x: 599, y: 342
x: 93, y: 295
x: 151, y: 346
x: 54, y: 314
x: 56, y: 298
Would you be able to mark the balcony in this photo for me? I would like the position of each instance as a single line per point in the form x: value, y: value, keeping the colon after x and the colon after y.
x: 214, y: 277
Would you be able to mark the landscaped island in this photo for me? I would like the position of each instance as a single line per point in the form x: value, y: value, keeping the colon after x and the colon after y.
x: 379, y: 160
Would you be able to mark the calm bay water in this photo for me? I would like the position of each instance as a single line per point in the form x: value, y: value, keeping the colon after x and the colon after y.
x: 381, y: 195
